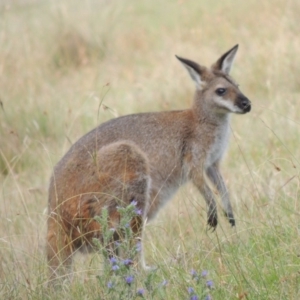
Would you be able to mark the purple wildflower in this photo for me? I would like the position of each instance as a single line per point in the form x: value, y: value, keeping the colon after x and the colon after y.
x: 139, y: 247
x: 138, y: 212
x: 194, y: 297
x: 164, y: 283
x: 140, y: 292
x: 113, y: 260
x: 209, y: 284
x: 127, y: 225
x: 133, y: 202
x: 190, y: 290
x: 110, y: 285
x: 129, y: 279
x: 194, y: 273
x: 208, y: 297
x: 127, y: 262
x: 204, y: 273
x: 115, y: 267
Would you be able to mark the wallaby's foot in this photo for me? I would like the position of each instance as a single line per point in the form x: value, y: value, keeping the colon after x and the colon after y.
x: 230, y: 218
x: 212, y: 220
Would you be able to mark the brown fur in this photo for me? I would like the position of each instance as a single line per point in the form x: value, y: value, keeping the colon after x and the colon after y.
x: 114, y: 176
x: 143, y: 157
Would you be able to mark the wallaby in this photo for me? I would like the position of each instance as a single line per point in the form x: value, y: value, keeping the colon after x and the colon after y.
x: 144, y: 158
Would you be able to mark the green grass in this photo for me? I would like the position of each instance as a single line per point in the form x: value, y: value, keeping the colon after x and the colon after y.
x: 67, y: 66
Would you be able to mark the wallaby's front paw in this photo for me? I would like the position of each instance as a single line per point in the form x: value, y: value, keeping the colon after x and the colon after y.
x: 212, y: 221
x: 230, y: 219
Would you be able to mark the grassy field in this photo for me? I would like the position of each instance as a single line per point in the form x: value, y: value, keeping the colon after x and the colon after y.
x: 66, y: 66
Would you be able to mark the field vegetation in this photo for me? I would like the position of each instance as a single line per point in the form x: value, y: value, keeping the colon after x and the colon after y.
x: 66, y: 66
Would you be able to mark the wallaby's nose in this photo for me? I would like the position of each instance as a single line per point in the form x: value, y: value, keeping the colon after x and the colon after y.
x: 244, y: 104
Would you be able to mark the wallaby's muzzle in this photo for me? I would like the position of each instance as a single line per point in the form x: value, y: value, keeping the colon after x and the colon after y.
x: 244, y: 103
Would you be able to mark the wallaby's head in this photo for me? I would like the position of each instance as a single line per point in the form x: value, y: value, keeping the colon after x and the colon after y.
x: 216, y: 90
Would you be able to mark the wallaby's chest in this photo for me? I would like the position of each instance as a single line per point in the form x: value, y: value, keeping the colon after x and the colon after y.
x: 218, y: 145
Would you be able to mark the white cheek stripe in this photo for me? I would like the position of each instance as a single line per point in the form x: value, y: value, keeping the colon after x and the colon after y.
x: 229, y: 105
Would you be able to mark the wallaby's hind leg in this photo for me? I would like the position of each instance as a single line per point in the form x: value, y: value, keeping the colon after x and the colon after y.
x: 59, y: 250
x: 116, y: 176
x: 127, y: 178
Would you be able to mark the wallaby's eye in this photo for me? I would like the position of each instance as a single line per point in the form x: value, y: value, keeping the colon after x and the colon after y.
x: 220, y: 91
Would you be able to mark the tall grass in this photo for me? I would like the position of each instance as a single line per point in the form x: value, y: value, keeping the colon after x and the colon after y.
x: 67, y: 66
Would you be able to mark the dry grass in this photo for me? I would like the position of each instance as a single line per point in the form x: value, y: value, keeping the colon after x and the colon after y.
x: 60, y: 60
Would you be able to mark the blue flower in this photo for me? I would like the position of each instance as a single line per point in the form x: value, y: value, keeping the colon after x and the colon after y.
x: 133, y: 202
x: 139, y: 247
x: 129, y: 279
x: 140, y: 292
x: 194, y: 297
x: 194, y: 273
x: 110, y: 285
x: 113, y: 260
x: 204, y: 273
x: 138, y: 212
x: 208, y: 297
x: 190, y: 290
x: 115, y: 267
x: 209, y: 284
x: 164, y: 283
x: 127, y: 262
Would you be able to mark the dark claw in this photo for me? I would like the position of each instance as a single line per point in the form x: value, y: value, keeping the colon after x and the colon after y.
x: 232, y: 222
x: 213, y: 229
x: 212, y: 221
x: 230, y: 219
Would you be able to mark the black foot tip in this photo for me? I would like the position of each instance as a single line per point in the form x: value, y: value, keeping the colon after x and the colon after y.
x: 232, y: 222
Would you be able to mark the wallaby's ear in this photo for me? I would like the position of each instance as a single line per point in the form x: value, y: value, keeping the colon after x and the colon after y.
x: 224, y: 63
x: 194, y: 70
